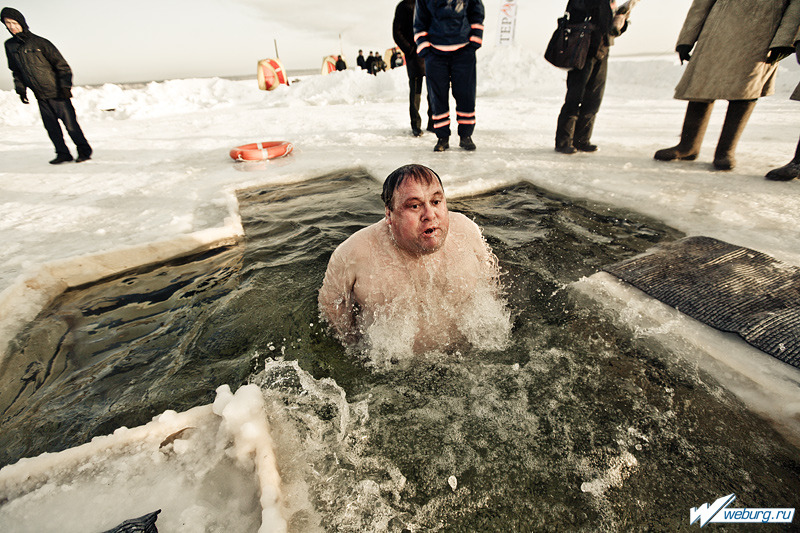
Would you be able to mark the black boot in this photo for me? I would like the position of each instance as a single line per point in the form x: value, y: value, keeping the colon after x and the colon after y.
x: 789, y: 171
x: 583, y: 133
x: 442, y: 144
x: 565, y: 130
x: 467, y: 143
x: 61, y: 158
x: 694, y: 128
x: 736, y: 118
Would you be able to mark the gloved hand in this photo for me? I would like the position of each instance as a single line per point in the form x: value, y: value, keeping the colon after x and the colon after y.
x: 23, y: 98
x: 683, y: 52
x: 778, y: 53
x: 66, y: 92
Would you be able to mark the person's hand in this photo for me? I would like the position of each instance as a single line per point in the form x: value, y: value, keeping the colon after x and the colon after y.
x: 66, y: 92
x: 23, y: 98
x: 619, y: 23
x: 778, y: 53
x: 683, y: 52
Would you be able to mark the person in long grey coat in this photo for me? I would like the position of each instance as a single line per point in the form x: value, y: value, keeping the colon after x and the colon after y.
x: 737, y: 45
x: 790, y: 170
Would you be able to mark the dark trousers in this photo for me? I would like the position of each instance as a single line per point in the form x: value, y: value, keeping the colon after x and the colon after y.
x: 55, y: 109
x: 456, y: 69
x: 585, y: 88
x: 414, y: 99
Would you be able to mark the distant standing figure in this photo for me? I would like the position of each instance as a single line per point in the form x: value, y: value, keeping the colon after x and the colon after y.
x: 447, y: 33
x: 340, y: 64
x: 737, y: 46
x: 377, y: 65
x: 791, y: 170
x: 361, y: 61
x: 369, y: 62
x: 36, y: 64
x: 586, y: 86
x: 403, y: 33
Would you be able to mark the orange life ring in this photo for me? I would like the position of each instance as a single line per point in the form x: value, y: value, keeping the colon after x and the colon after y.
x: 262, y: 151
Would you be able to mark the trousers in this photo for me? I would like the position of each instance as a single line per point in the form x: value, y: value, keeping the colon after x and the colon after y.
x: 55, y: 109
x: 456, y: 69
x: 585, y: 88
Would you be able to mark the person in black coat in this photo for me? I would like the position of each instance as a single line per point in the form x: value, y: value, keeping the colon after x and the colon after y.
x: 403, y: 33
x: 361, y: 61
x: 340, y: 64
x: 585, y: 87
x: 36, y: 64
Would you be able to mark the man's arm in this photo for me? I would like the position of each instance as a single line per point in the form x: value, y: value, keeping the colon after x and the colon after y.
x: 475, y: 15
x: 19, y: 84
x: 422, y: 22
x: 61, y: 68
x: 336, y: 303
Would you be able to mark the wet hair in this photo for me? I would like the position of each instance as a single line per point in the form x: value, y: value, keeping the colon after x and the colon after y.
x: 418, y: 173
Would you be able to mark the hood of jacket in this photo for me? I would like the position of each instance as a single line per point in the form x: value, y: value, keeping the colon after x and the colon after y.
x: 13, y: 14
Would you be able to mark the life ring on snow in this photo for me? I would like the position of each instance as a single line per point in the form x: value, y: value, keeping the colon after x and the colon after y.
x: 262, y: 151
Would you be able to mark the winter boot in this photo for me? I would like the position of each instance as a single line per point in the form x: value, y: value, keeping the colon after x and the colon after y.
x: 442, y: 144
x: 61, y: 158
x: 789, y: 171
x: 585, y: 146
x: 583, y: 132
x: 694, y: 128
x: 467, y: 144
x: 736, y: 118
x: 565, y: 130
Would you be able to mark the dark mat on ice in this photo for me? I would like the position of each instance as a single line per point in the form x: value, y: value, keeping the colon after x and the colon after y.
x: 728, y: 287
x: 143, y: 524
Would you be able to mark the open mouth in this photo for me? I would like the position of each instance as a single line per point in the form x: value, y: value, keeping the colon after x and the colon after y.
x: 429, y: 231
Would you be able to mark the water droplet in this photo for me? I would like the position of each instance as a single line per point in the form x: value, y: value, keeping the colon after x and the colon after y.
x: 453, y: 482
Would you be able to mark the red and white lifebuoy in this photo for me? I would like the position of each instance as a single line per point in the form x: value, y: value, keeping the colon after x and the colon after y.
x: 262, y: 151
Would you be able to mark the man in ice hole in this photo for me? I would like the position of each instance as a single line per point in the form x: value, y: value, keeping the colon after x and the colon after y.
x: 417, y: 273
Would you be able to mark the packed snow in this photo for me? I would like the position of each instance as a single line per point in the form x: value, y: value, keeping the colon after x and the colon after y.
x: 161, y: 182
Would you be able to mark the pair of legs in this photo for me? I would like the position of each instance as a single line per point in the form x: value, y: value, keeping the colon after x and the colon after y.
x: 443, y: 69
x: 53, y: 110
x: 585, y: 88
x: 695, y: 123
x: 414, y: 99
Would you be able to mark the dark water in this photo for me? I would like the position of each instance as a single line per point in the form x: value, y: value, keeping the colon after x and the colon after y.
x: 578, y: 425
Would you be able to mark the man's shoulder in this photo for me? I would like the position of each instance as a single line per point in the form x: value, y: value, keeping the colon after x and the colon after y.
x: 462, y: 222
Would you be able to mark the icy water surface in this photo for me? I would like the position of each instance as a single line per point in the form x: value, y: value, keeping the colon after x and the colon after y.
x: 577, y: 426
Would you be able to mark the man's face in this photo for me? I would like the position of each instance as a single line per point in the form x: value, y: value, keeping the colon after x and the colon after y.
x: 13, y: 26
x: 419, y: 221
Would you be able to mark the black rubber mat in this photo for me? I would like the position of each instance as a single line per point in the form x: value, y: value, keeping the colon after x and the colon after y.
x: 728, y: 287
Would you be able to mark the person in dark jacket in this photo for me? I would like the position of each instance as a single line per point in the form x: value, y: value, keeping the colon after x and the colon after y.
x: 585, y: 87
x: 361, y: 61
x: 447, y: 33
x: 370, y: 60
x: 403, y: 32
x: 38, y: 65
x: 340, y: 64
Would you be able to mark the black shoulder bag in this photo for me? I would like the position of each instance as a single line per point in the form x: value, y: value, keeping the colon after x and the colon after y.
x: 569, y: 45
